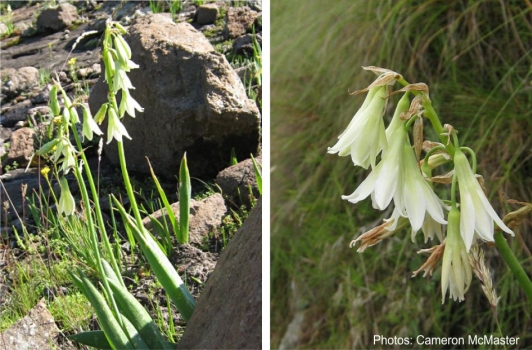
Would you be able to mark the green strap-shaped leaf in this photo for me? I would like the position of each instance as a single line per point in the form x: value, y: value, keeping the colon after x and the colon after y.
x: 95, y: 339
x: 185, y: 192
x: 133, y: 310
x: 114, y: 333
x: 171, y: 216
x: 139, y: 318
x: 161, y: 266
x: 258, y: 173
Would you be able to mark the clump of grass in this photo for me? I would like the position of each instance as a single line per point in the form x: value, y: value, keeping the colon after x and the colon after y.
x: 45, y: 76
x: 38, y: 276
x: 477, y: 61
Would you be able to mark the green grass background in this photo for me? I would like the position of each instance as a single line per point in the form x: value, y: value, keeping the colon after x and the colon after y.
x: 476, y: 57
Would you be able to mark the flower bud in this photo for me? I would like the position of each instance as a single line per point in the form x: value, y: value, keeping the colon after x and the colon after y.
x: 54, y: 103
x: 47, y: 147
x: 120, y: 28
x: 122, y: 49
x: 456, y: 272
x: 109, y: 65
x: 66, y: 116
x: 100, y: 115
x: 66, y: 203
x: 74, y: 117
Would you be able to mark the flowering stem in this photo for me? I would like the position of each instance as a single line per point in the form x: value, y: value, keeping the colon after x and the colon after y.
x: 500, y: 241
x: 513, y: 264
x: 473, y: 158
x: 97, y: 208
x: 432, y: 116
x: 127, y: 182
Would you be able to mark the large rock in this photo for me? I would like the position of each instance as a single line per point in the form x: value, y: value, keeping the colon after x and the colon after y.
x: 193, y: 102
x: 229, y: 311
x: 54, y: 19
x: 17, y: 81
x: 35, y: 331
x: 205, y: 217
x: 237, y: 180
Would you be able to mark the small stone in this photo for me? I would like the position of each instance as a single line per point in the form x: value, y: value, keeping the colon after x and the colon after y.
x: 83, y: 72
x: 239, y: 21
x: 22, y: 149
x: 96, y: 68
x: 244, y: 43
x: 207, y: 14
x: 3, y: 28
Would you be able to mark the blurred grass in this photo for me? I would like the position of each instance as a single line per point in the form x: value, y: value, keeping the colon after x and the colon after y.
x: 476, y: 58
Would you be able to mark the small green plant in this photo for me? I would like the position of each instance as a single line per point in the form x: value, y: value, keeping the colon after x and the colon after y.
x: 72, y: 70
x: 258, y: 173
x: 12, y: 166
x: 45, y: 76
x: 156, y: 6
x: 175, y: 7
x: 10, y: 28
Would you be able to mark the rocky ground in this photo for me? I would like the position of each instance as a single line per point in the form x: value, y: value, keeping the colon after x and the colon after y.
x: 37, y: 45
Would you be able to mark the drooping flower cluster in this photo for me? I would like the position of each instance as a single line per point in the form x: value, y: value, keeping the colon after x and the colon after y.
x: 117, y: 58
x: 398, y: 176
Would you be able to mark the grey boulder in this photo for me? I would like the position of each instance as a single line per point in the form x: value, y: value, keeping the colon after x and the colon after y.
x: 193, y: 102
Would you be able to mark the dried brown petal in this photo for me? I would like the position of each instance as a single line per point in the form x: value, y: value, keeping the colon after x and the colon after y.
x: 428, y: 145
x: 515, y: 218
x: 382, y: 80
x: 450, y: 130
x: 443, y: 179
x: 379, y: 70
x: 422, y: 87
x: 416, y: 108
x: 373, y: 236
x: 436, y: 254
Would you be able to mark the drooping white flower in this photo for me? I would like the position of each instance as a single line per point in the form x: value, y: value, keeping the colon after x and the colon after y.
x: 121, y: 80
x: 66, y: 203
x: 364, y: 137
x: 477, y: 213
x: 430, y: 229
x: 89, y: 125
x: 456, y: 272
x: 398, y: 176
x: 129, y: 105
x: 115, y: 128
x: 381, y: 183
x: 414, y: 197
